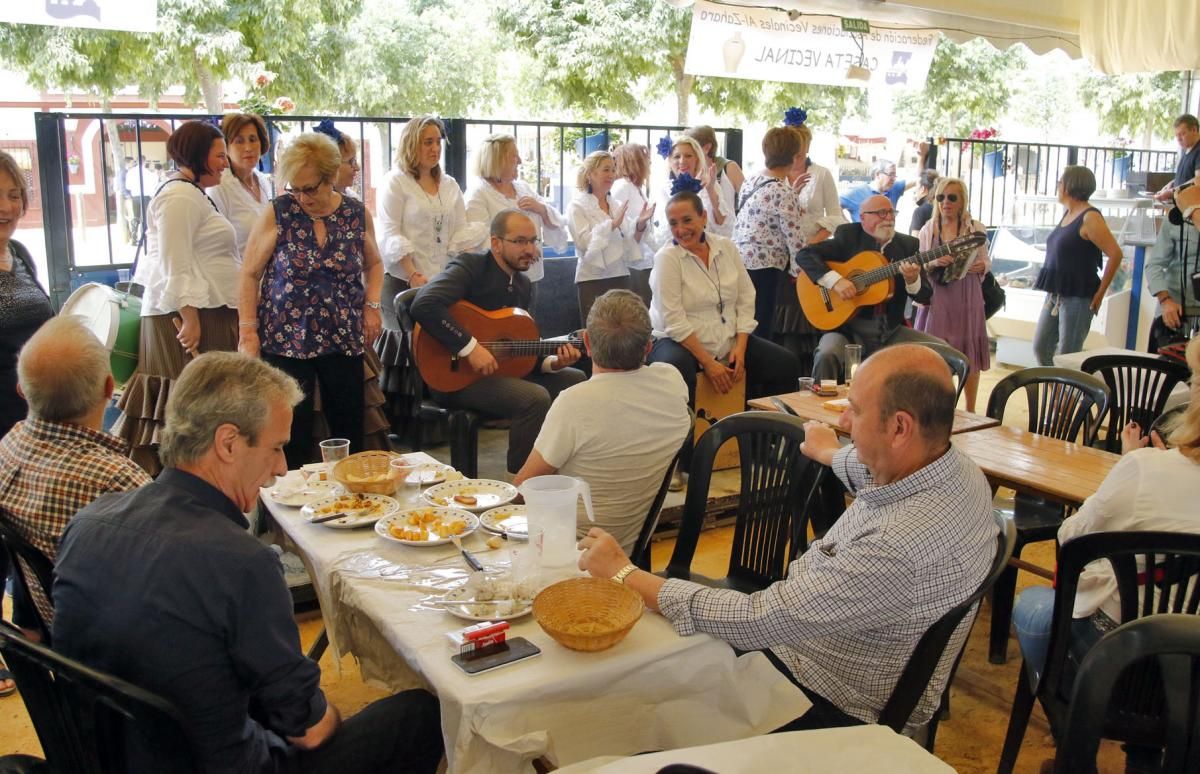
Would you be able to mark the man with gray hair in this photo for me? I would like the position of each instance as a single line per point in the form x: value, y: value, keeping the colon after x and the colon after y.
x: 165, y: 588
x: 620, y: 430
x: 58, y: 460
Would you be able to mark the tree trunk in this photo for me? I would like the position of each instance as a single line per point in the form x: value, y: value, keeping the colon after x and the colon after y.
x: 116, y: 153
x: 683, y: 90
x: 210, y: 87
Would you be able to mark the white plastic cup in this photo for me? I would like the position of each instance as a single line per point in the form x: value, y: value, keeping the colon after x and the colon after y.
x: 806, y: 385
x: 406, y: 478
x: 333, y: 451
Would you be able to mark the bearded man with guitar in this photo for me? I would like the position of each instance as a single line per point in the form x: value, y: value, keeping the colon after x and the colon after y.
x: 493, y: 281
x: 873, y: 326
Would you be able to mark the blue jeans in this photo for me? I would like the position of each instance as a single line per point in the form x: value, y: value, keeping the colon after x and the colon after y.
x: 1061, y: 327
x: 1033, y: 616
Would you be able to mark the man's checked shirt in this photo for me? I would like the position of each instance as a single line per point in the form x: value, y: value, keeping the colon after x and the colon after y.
x: 853, y: 607
x: 48, y: 471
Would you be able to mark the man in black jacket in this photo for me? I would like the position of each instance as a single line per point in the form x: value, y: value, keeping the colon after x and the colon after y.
x: 495, y: 280
x: 871, y: 326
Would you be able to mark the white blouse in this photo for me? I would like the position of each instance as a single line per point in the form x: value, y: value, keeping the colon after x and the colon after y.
x: 624, y: 191
x: 484, y: 202
x: 662, y: 228
x: 239, y: 206
x: 602, y: 251
x: 819, y: 202
x: 728, y: 197
x: 430, y: 228
x: 191, y: 254
x: 715, y: 302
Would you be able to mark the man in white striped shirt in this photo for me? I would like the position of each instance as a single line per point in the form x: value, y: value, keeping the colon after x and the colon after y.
x: 918, y: 539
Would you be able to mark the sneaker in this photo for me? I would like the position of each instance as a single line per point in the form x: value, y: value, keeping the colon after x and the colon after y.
x: 678, y: 481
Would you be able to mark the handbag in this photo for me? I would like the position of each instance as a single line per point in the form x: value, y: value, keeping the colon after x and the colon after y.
x: 993, y: 295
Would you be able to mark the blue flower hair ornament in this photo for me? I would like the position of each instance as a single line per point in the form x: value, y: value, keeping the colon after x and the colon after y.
x: 327, y: 128
x: 795, y: 116
x: 664, y: 146
x: 685, y: 182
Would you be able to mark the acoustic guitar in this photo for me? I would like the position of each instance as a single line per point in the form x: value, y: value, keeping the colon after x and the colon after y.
x: 872, y: 275
x: 510, y: 334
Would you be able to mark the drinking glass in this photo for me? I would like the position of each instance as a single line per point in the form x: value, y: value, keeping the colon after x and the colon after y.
x: 806, y: 385
x: 333, y: 451
x: 852, y: 359
x: 404, y: 474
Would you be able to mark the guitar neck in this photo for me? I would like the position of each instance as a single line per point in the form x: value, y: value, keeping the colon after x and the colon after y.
x: 869, y: 278
x: 531, y: 348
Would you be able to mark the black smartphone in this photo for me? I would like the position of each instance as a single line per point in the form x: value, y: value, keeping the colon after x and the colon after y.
x: 515, y: 649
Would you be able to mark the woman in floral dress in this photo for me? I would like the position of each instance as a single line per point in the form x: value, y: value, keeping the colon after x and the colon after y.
x: 310, y: 286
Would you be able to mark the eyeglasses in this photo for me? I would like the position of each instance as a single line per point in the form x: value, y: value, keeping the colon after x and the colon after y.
x: 352, y: 162
x: 881, y: 214
x: 306, y: 191
x: 947, y: 198
x: 522, y: 243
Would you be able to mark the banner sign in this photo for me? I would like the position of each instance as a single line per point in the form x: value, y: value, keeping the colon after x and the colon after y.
x: 768, y: 45
x: 127, y: 15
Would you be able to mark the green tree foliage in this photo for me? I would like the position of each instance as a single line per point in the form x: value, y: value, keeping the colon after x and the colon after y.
x: 418, y: 56
x: 969, y: 85
x: 1136, y: 105
x: 607, y: 59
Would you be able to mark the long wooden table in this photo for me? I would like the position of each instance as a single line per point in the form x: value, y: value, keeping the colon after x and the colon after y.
x: 1038, y: 465
x: 810, y: 406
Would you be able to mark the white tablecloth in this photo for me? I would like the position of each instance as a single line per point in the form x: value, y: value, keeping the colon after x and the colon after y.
x: 653, y: 691
x: 858, y: 749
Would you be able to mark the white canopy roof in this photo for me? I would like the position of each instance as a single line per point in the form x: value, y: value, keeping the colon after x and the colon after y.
x: 1115, y: 35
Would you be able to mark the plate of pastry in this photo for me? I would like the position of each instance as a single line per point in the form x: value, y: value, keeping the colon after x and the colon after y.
x: 474, y: 494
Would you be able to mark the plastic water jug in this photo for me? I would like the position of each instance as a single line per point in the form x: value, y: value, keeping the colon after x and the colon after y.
x: 550, y: 503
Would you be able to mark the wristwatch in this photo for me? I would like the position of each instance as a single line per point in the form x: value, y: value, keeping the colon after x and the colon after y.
x: 373, y: 304
x: 623, y: 573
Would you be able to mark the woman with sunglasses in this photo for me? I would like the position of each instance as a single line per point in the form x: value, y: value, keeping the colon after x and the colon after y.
x: 190, y: 275
x: 955, y: 312
x: 309, y: 300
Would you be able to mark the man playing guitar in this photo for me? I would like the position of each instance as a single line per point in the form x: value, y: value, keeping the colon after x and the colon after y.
x: 872, y: 326
x: 495, y: 280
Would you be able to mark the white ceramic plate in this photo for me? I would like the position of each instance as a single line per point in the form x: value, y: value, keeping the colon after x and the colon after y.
x: 464, y: 606
x: 430, y: 473
x: 316, y: 490
x: 444, y: 516
x: 508, y: 519
x: 488, y: 494
x: 377, y: 507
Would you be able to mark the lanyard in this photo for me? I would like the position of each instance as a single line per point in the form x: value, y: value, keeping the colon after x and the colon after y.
x: 717, y: 283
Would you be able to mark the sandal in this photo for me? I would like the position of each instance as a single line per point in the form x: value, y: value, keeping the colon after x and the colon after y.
x: 6, y: 677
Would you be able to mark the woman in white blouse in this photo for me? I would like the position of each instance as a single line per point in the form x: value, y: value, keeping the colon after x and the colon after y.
x: 190, y: 275
x: 243, y: 192
x: 703, y: 312
x: 821, y: 212
x: 498, y: 163
x: 633, y: 169
x: 604, y: 245
x: 728, y: 174
x: 687, y: 157
x: 420, y: 224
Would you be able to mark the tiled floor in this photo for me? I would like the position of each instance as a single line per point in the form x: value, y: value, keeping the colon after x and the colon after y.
x: 969, y: 740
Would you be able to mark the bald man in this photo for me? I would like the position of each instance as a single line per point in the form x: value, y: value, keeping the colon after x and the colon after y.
x: 871, y: 326
x: 918, y: 539
x: 58, y: 460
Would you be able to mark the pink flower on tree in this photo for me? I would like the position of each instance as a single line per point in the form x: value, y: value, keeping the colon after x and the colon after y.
x: 264, y: 78
x: 284, y: 105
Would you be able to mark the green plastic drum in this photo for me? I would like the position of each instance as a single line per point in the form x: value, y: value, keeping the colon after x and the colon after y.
x: 115, y: 317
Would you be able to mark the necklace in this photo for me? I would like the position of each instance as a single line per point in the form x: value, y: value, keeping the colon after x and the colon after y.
x: 251, y: 186
x: 439, y: 218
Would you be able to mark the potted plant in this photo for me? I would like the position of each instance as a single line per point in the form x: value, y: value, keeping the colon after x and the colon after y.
x: 73, y: 163
x: 993, y: 152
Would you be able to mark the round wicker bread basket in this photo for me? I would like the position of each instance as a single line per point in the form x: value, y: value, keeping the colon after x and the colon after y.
x: 366, y: 472
x: 587, y: 614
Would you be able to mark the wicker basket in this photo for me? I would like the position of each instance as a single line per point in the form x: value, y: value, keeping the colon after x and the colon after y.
x: 369, y: 465
x: 587, y: 613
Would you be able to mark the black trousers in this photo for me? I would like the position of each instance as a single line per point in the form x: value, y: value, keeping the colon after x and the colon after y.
x: 341, y: 381
x: 402, y: 733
